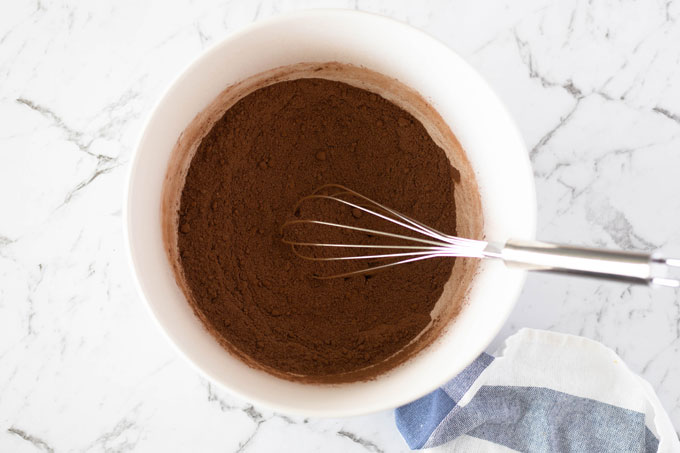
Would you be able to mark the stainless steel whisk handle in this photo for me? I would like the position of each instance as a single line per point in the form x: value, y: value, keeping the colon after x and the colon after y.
x: 631, y: 267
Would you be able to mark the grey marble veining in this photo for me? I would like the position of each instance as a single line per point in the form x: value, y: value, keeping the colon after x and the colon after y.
x: 593, y: 86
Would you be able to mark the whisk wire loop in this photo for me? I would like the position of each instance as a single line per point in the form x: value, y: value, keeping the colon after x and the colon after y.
x: 435, y: 244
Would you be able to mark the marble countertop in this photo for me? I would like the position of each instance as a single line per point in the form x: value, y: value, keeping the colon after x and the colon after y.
x: 594, y: 87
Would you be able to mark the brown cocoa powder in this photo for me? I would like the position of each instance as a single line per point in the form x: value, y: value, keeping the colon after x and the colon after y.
x: 254, y: 295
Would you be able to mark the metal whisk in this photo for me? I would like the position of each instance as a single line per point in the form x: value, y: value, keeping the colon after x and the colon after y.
x: 415, y: 241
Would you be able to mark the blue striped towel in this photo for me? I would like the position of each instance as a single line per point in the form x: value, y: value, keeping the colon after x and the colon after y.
x: 548, y: 392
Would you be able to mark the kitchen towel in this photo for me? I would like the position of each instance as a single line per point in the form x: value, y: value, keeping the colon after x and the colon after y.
x: 546, y: 392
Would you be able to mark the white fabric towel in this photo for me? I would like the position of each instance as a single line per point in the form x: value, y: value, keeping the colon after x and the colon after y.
x: 545, y: 392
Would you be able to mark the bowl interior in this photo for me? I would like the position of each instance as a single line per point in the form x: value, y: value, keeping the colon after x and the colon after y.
x: 487, y: 134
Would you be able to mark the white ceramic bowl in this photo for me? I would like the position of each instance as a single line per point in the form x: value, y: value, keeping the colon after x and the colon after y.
x: 476, y: 116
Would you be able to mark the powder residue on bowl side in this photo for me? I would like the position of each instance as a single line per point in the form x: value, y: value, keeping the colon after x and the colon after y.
x: 256, y: 297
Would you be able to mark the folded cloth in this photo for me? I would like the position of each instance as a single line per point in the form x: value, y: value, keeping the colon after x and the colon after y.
x: 548, y: 392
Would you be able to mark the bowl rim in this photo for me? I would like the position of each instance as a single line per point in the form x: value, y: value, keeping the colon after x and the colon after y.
x: 250, y: 396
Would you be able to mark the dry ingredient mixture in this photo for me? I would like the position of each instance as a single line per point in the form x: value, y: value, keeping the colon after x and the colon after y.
x: 274, y: 146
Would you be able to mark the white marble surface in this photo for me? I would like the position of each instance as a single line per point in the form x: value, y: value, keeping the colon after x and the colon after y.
x: 594, y: 87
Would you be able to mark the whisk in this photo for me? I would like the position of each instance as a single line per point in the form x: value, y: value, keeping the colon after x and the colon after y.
x: 415, y: 241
